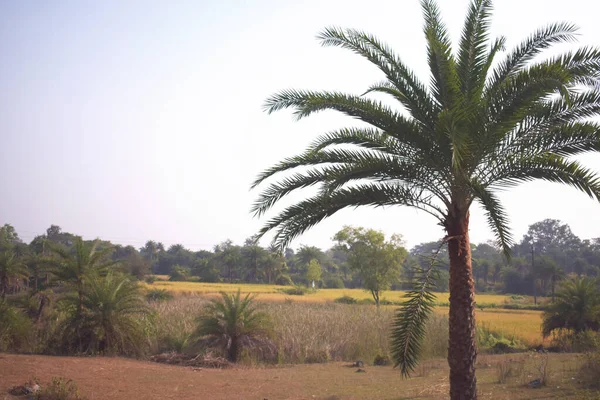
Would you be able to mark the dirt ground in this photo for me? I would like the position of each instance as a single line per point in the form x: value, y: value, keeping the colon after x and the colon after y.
x: 118, y: 378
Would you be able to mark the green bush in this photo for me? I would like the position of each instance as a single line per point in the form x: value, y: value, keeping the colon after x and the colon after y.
x: 179, y: 274
x: 284, y: 280
x: 589, y: 371
x: 158, y: 295
x: 151, y: 279
x: 16, y: 329
x: 295, y: 290
x: 334, y: 283
x: 495, y: 342
x: 346, y: 300
x: 581, y: 342
x: 381, y: 360
x: 59, y: 389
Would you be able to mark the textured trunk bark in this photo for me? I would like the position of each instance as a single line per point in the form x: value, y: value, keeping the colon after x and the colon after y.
x: 462, y: 350
x: 234, y: 350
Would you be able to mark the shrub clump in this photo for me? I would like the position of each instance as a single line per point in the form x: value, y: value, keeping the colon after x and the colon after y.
x: 179, y: 274
x: 381, y: 360
x: 284, y: 280
x: 15, y: 329
x: 334, y: 283
x: 295, y: 290
x: 59, y: 389
x: 346, y: 300
x: 158, y: 295
x: 589, y: 372
x: 571, y: 342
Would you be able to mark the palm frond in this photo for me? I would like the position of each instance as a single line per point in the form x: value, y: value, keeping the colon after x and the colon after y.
x: 550, y: 168
x: 445, y: 83
x: 407, y: 88
x: 496, y: 216
x: 525, y: 52
x: 472, y: 57
x: 409, y: 326
x: 300, y: 217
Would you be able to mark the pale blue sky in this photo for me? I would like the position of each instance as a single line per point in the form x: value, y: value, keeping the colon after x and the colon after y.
x: 135, y: 120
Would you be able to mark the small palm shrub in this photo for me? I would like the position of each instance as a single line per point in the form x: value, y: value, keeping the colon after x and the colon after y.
x: 577, y: 308
x: 112, y: 320
x: 16, y: 330
x: 346, y: 300
x: 11, y: 267
x: 232, y: 323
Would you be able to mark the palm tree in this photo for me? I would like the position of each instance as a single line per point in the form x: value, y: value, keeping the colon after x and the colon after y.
x: 577, y: 307
x: 74, y: 267
x: 553, y: 272
x: 232, y: 323
x: 111, y: 322
x: 11, y: 267
x: 479, y: 126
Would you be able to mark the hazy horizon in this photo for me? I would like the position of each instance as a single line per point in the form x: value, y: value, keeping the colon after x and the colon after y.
x: 134, y: 121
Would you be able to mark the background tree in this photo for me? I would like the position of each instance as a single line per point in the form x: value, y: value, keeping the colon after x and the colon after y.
x: 75, y: 267
x: 481, y: 125
x: 313, y: 271
x: 9, y: 237
x: 228, y: 256
x: 552, y: 273
x: 11, y: 268
x: 378, y: 261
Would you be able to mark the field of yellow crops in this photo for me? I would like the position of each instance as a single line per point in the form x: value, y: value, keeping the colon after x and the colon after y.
x: 274, y: 292
x: 523, y: 324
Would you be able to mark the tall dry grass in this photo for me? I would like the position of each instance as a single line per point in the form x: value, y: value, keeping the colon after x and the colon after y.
x: 305, y: 332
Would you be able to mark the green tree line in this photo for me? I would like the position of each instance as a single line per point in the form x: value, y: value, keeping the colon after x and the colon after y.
x: 359, y: 258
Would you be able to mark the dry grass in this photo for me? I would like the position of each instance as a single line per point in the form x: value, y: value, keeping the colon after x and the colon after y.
x: 116, y: 379
x: 319, y: 332
x: 523, y: 324
x: 306, y: 332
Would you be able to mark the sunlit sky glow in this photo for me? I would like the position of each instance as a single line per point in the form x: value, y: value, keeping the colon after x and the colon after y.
x: 135, y: 120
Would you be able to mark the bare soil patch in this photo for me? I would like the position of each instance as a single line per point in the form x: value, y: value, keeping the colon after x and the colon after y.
x: 119, y: 378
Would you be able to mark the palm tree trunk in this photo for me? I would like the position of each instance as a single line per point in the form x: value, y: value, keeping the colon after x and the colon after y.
x: 234, y: 350
x: 4, y: 286
x: 80, y: 295
x: 462, y: 351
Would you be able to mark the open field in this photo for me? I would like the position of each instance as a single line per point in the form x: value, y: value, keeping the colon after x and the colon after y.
x: 274, y: 292
x: 523, y: 324
x: 118, y: 378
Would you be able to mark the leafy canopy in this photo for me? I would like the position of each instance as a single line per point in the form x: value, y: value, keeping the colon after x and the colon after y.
x: 485, y: 122
x: 376, y: 260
